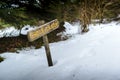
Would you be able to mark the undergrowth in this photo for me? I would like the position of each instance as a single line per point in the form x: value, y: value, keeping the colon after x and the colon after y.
x: 12, y: 44
x: 17, y: 17
x: 1, y: 59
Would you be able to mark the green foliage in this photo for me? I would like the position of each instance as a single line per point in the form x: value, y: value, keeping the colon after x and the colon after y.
x: 63, y: 10
x: 31, y: 11
x: 3, y: 24
x: 1, y: 59
x: 17, y: 17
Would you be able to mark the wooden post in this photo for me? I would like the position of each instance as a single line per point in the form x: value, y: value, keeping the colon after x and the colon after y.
x: 47, y: 49
x: 42, y: 31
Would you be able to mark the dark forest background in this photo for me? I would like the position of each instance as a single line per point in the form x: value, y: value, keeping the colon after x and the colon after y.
x: 22, y: 12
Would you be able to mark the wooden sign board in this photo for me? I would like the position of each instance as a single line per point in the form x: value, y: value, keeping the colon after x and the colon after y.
x: 43, y: 30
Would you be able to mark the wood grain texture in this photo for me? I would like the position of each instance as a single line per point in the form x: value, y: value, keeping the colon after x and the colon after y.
x: 43, y: 30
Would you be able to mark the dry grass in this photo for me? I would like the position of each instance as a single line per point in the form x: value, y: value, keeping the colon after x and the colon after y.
x: 85, y: 11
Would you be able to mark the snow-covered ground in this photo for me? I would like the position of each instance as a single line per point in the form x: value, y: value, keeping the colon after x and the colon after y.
x: 12, y: 32
x: 91, y: 56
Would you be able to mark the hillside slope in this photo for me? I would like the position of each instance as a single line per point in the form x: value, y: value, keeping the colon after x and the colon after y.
x: 91, y: 56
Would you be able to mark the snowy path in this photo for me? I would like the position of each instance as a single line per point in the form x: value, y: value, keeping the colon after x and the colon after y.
x: 92, y: 56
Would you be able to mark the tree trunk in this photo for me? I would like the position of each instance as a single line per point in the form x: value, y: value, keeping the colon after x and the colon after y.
x: 85, y: 28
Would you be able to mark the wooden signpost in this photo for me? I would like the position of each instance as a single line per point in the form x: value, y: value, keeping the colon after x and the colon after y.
x: 42, y: 31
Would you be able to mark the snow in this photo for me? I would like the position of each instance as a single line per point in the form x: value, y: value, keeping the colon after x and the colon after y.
x: 26, y: 29
x: 14, y: 5
x: 9, y: 32
x: 71, y: 29
x: 12, y: 32
x: 118, y: 16
x: 91, y: 56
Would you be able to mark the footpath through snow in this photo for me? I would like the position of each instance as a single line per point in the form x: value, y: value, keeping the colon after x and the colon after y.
x: 91, y: 56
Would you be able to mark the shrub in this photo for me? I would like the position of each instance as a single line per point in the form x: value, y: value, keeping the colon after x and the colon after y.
x: 1, y: 59
x: 85, y: 10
